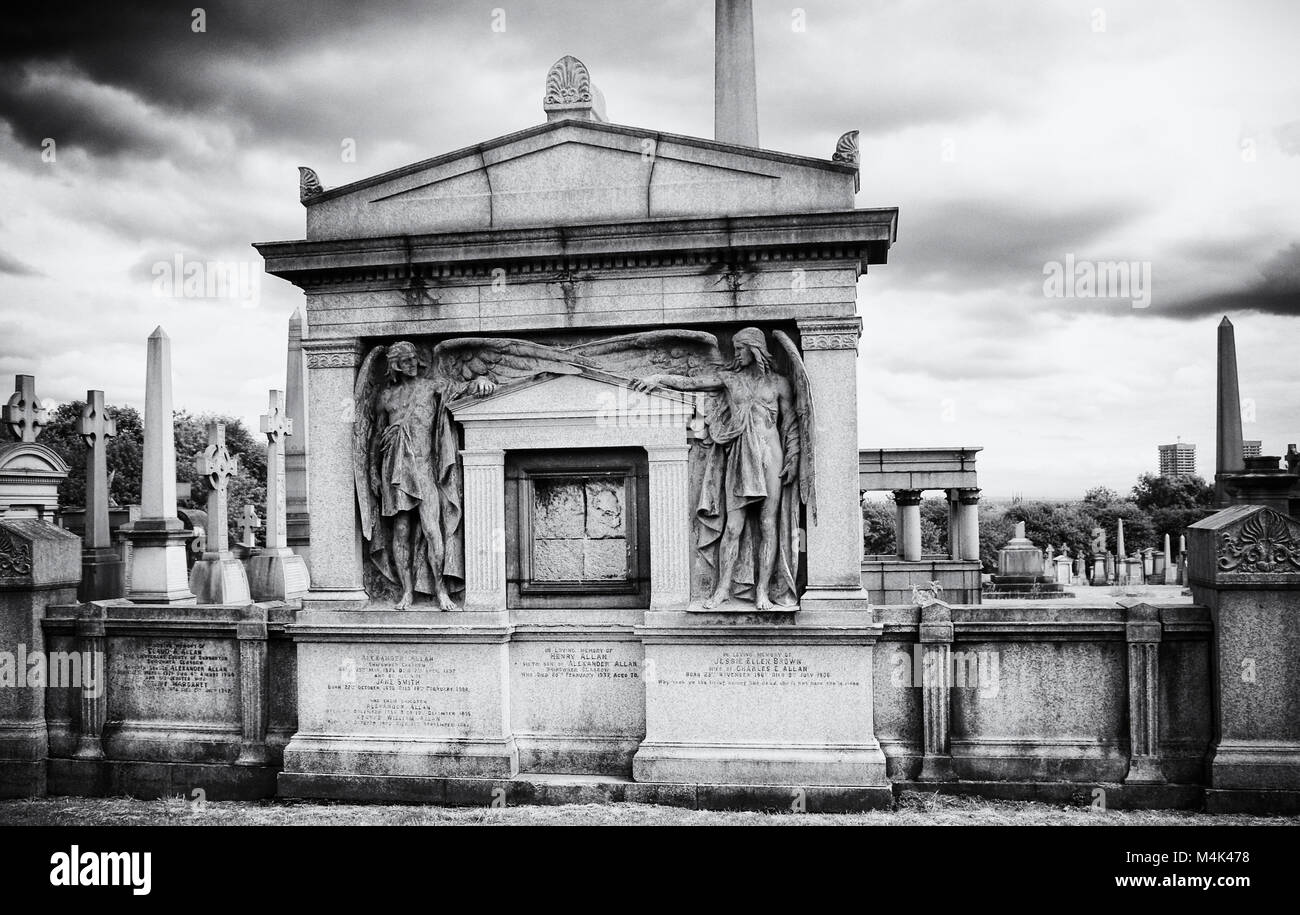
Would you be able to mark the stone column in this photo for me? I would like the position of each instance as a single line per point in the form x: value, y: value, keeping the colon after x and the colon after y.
x: 909, y: 532
x: 954, y: 524
x: 159, y: 571
x: 92, y: 707
x: 968, y: 520
x: 254, y: 696
x: 936, y: 633
x: 296, y: 483
x: 485, y: 529
x: 670, y: 546
x: 834, y: 541
x: 1143, y: 632
x: 335, y: 562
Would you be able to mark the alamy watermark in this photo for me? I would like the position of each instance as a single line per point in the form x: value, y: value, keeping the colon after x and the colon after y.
x: 1084, y: 279
x: 980, y: 670
x: 180, y: 278
x: 82, y: 670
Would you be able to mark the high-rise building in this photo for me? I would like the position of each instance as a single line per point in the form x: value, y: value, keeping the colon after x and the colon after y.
x: 1177, y: 460
x: 1251, y: 447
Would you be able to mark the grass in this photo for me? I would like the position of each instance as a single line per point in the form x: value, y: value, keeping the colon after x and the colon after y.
x: 913, y: 809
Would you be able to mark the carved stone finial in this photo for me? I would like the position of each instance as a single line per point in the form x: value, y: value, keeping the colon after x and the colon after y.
x: 309, y: 185
x: 570, y: 92
x: 846, y: 151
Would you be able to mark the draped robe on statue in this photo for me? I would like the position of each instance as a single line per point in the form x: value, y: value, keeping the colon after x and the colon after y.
x: 735, y: 475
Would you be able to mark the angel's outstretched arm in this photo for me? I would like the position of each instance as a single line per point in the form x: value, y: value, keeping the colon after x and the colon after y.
x: 708, y: 382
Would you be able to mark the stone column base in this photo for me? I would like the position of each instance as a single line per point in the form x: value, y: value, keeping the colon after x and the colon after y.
x: 23, y: 748
x: 159, y: 562
x: 219, y: 578
x: 102, y: 575
x: 1255, y: 765
x: 745, y: 764
x: 277, y: 574
x: 835, y: 599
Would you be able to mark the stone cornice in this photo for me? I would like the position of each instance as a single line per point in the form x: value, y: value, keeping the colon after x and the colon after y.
x: 332, y: 354
x: 838, y: 333
x: 860, y: 235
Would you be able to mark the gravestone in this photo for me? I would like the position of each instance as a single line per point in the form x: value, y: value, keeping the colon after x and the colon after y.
x: 276, y: 572
x: 218, y: 577
x: 102, y: 573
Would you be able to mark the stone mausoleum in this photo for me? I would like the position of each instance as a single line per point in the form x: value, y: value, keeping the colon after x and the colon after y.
x: 563, y: 504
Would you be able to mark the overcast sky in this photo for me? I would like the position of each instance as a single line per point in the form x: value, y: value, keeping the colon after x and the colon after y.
x: 1010, y: 135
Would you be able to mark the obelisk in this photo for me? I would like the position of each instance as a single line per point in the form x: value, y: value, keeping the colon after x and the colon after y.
x: 158, y: 568
x: 735, y: 93
x: 101, y: 567
x: 1228, y: 456
x: 296, y: 484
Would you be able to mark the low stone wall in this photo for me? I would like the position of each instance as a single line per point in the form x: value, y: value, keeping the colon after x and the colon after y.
x: 192, y: 698
x: 1080, y: 694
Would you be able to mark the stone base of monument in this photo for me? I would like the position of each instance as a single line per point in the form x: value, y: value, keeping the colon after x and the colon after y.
x: 159, y: 570
x: 385, y: 694
x: 737, y: 700
x: 102, y: 575
x: 219, y: 578
x: 1032, y: 587
x: 151, y: 780
x: 277, y: 574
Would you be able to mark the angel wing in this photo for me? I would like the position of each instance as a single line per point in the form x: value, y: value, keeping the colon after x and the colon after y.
x: 478, y: 365
x: 369, y: 381
x: 803, y: 405
x: 673, y: 352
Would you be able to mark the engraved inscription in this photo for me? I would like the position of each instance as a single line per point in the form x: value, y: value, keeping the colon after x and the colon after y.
x: 781, y: 668
x: 185, y: 668
x: 563, y: 662
x: 390, y: 692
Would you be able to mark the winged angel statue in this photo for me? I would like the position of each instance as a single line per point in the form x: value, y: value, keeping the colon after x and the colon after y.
x: 405, y: 446
x: 759, y: 460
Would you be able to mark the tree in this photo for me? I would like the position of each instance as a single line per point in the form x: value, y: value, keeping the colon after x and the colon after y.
x: 63, y: 435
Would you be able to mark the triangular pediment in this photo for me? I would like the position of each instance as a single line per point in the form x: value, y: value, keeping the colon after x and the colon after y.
x: 578, y: 172
x: 597, y: 396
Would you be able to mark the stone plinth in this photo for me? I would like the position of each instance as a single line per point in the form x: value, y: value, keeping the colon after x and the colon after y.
x: 1244, y: 563
x: 739, y: 700
x: 400, y: 694
x: 39, y: 565
x: 1020, y: 571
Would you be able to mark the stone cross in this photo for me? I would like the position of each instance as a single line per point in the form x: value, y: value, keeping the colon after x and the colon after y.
x: 247, y: 524
x: 96, y: 428
x: 216, y: 465
x: 276, y: 425
x: 24, y: 413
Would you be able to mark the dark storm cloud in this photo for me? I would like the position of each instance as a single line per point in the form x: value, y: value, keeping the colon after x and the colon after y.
x: 1276, y: 292
x: 983, y: 241
x: 15, y: 267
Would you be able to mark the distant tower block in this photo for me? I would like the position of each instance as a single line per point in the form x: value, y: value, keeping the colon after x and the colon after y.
x: 1251, y: 448
x: 218, y: 577
x: 158, y: 573
x: 1178, y: 459
x: 277, y: 572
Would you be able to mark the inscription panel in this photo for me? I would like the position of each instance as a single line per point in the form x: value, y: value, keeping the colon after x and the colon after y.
x: 375, y: 689
x: 790, y: 694
x: 173, y: 679
x: 588, y: 688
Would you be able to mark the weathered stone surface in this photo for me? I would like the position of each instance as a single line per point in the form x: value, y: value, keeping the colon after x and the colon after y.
x: 558, y: 560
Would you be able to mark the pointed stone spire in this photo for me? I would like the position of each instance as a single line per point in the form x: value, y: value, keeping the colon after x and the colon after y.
x: 1119, y: 540
x: 735, y: 92
x: 296, y: 485
x: 158, y: 566
x: 1228, y: 451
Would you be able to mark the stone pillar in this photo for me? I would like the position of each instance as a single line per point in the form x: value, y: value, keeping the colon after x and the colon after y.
x: 254, y: 695
x: 1171, y: 572
x: 1244, y: 564
x: 670, y: 546
x: 968, y: 520
x: 834, y: 557
x: 954, y: 524
x: 1143, y: 632
x: 936, y: 633
x: 335, y: 562
x: 296, y: 483
x: 909, y: 531
x: 735, y: 93
x: 485, y: 529
x: 39, y: 566
x: 92, y: 705
x: 159, y: 570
